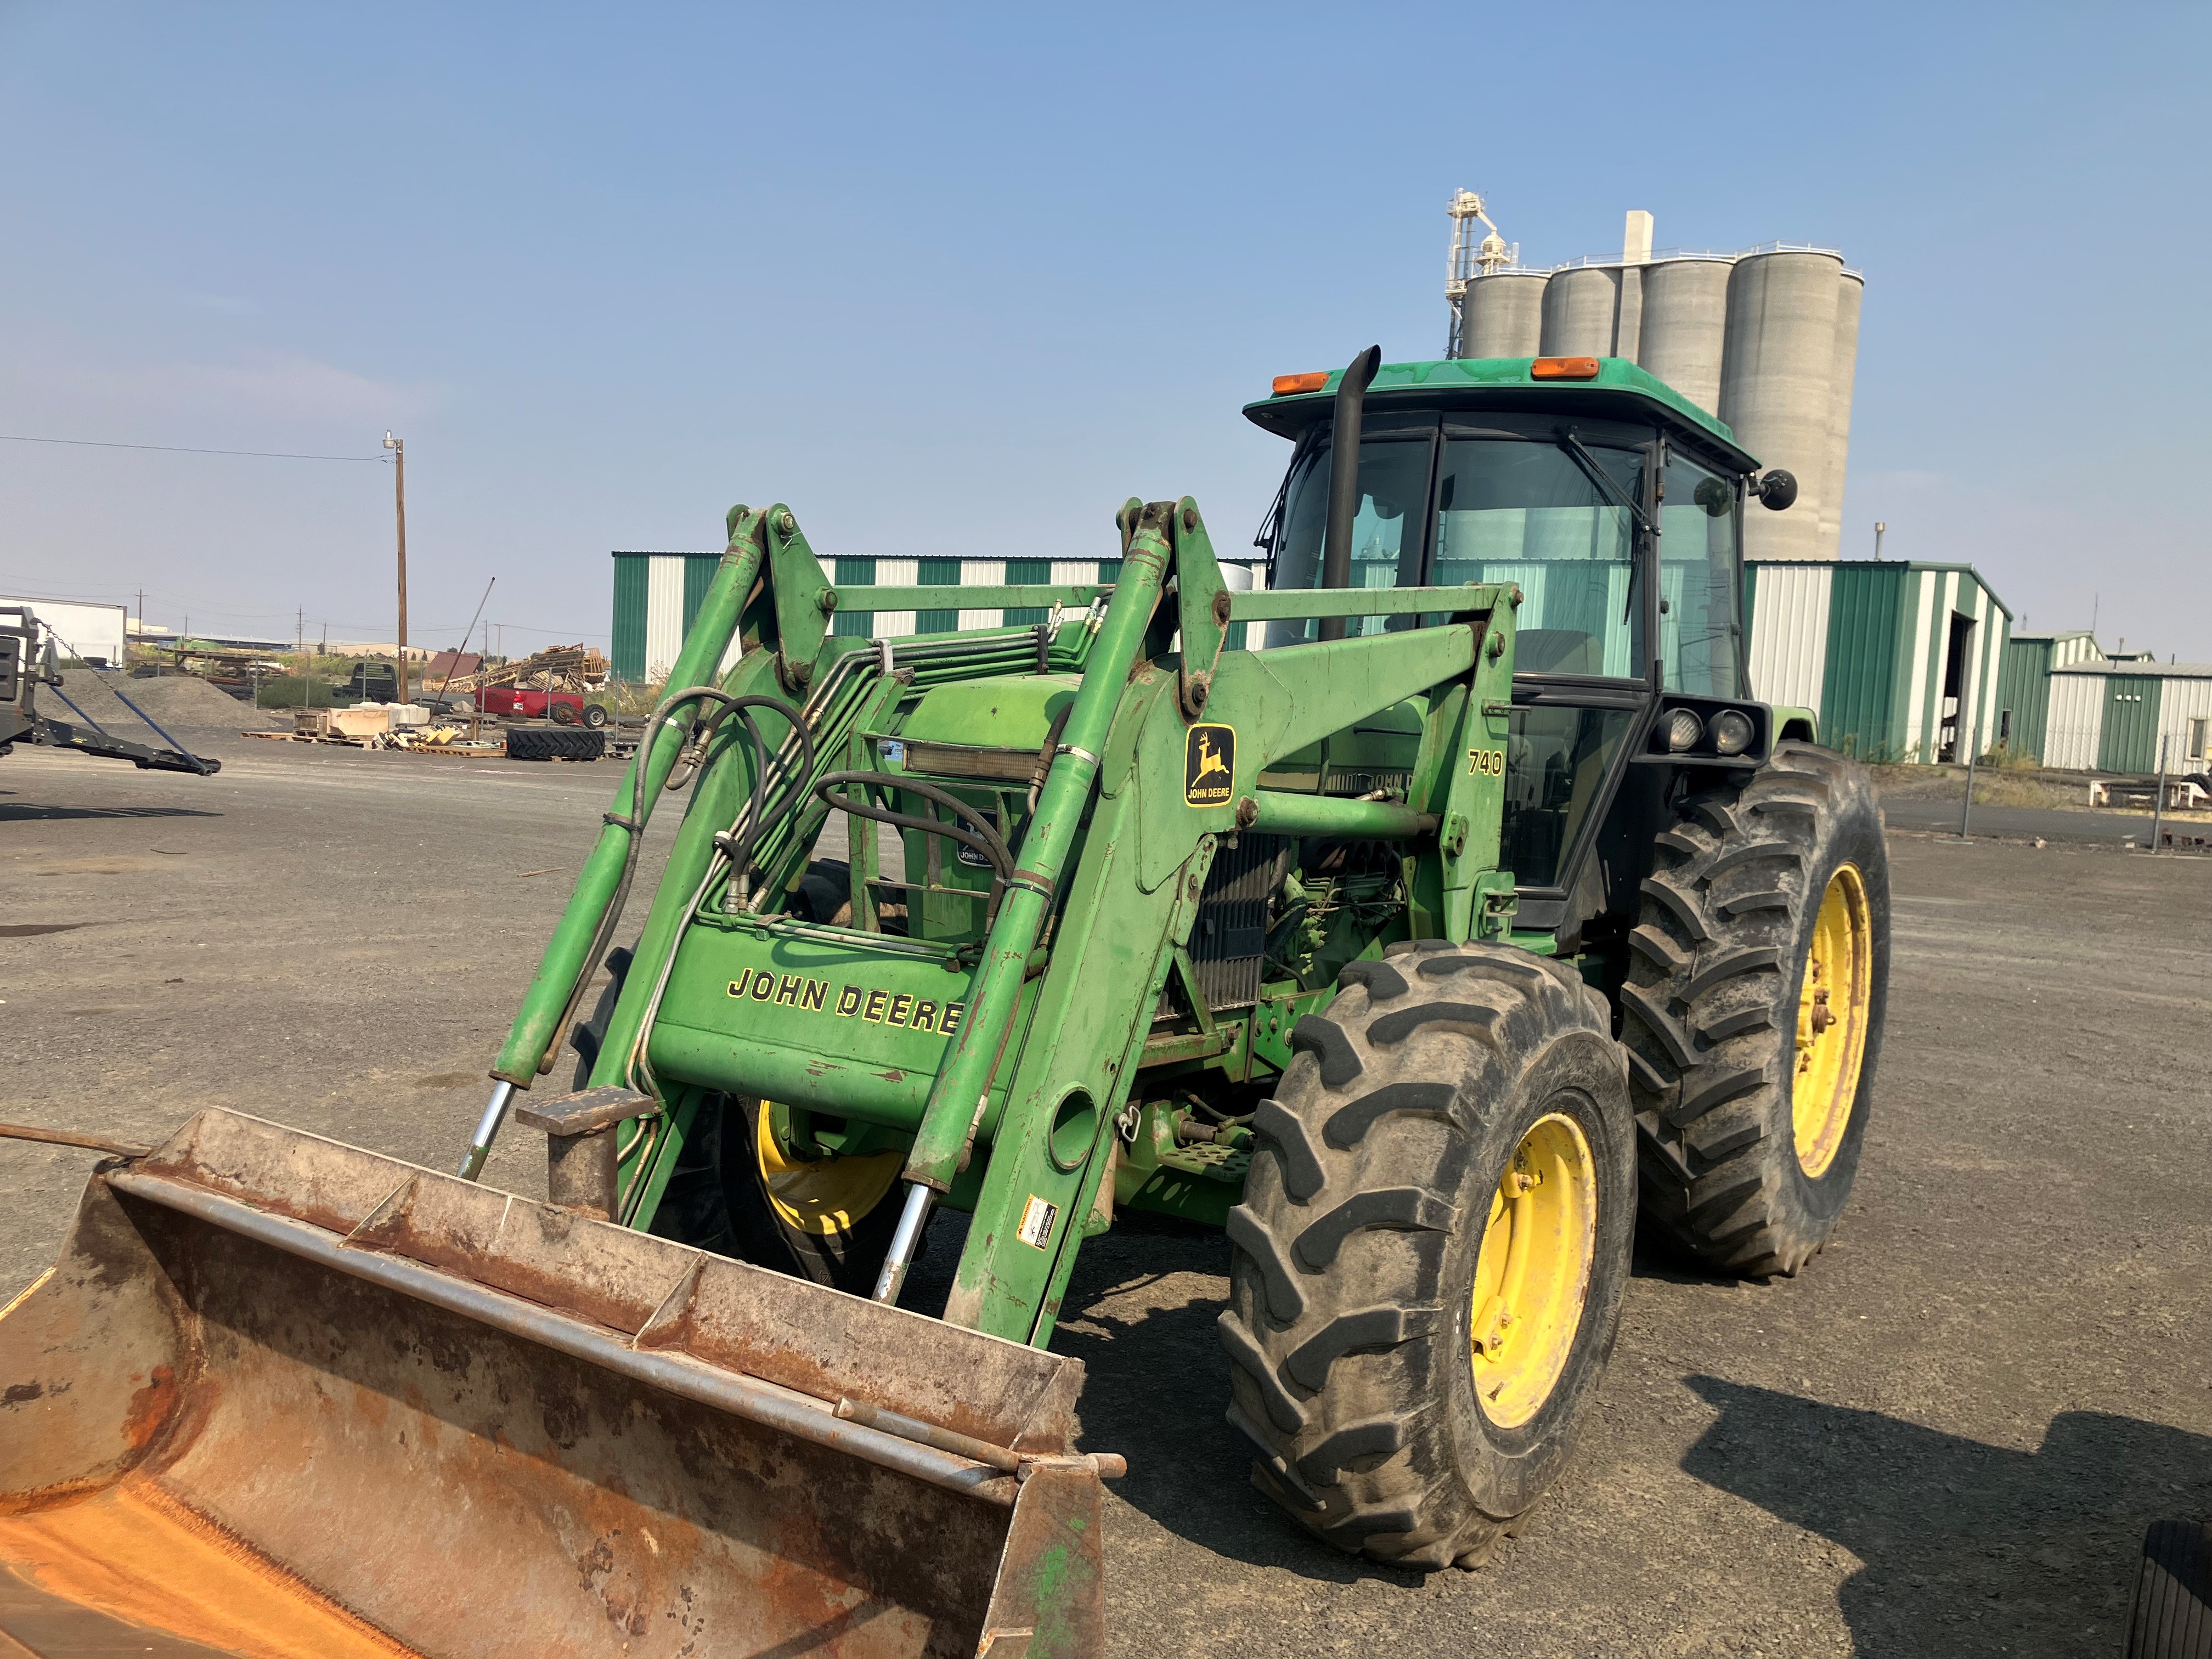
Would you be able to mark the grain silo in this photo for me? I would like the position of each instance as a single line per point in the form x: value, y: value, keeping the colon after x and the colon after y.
x: 1582, y: 309
x: 1776, y: 374
x: 1767, y: 339
x: 1843, y: 371
x: 1503, y: 315
x: 1685, y: 332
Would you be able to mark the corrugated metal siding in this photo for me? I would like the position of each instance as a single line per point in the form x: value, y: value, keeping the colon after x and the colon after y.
x: 2075, y: 647
x: 1920, y: 587
x: 2024, y: 690
x: 663, y: 615
x: 1859, y: 711
x: 2186, y: 700
x: 852, y: 573
x: 627, y: 652
x: 1790, y: 635
x: 2130, y: 741
x: 2075, y: 727
x: 1977, y: 702
x: 698, y: 577
x: 1922, y: 737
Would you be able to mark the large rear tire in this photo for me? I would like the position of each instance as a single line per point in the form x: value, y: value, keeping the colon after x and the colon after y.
x: 1431, y: 1250
x: 1757, y: 981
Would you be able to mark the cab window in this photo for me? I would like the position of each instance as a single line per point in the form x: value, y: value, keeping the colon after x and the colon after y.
x: 1385, y: 533
x: 1699, y: 520
x: 1511, y: 510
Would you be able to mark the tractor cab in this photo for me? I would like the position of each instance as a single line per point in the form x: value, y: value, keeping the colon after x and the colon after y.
x: 1615, y: 507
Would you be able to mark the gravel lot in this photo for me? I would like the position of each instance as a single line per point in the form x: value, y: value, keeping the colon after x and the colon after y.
x: 1946, y: 1436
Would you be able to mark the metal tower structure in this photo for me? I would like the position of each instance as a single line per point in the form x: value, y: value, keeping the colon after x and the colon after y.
x: 1470, y: 257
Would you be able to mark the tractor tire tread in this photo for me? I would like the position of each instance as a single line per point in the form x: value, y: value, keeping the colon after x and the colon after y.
x: 1339, y: 1299
x: 1709, y: 1014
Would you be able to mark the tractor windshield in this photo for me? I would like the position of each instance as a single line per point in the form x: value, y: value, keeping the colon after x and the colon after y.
x: 1507, y: 509
x: 1530, y: 513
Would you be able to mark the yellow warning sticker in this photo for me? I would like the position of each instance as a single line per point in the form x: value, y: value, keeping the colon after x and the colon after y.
x: 1037, y: 1218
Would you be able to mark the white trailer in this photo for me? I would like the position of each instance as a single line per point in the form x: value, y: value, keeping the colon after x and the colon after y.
x: 92, y: 633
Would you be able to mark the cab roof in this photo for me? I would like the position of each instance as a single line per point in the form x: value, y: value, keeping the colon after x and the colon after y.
x: 1619, y: 390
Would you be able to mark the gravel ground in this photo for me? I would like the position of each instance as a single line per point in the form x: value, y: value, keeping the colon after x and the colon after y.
x: 1945, y: 1437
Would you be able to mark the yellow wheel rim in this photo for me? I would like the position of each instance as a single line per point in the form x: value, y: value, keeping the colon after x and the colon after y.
x: 1531, y: 1275
x: 1831, y: 1021
x: 824, y: 1196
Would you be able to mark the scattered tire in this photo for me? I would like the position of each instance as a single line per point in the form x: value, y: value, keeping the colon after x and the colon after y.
x: 1431, y: 1250
x: 2172, y: 1616
x: 1758, y: 976
x: 555, y: 742
x: 595, y: 717
x: 563, y: 713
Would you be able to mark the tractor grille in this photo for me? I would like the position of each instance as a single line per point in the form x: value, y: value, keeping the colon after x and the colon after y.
x: 1229, y: 940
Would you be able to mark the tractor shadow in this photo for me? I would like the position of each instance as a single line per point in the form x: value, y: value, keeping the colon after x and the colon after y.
x: 1969, y: 1547
x: 1139, y: 1313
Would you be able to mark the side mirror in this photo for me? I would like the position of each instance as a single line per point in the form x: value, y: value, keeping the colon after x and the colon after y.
x: 1777, y: 488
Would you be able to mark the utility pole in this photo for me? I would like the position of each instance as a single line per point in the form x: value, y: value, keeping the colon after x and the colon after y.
x: 398, y: 448
x: 142, y: 619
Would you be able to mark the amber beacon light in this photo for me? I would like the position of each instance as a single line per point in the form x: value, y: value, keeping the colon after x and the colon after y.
x: 1286, y: 385
x: 1563, y: 368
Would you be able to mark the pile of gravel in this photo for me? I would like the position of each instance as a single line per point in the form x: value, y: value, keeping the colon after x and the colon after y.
x: 173, y: 700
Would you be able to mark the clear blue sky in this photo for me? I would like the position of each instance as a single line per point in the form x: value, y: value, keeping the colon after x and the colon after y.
x: 963, y: 280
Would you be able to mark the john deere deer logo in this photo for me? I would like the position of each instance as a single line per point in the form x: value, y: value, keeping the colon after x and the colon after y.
x: 1209, y: 765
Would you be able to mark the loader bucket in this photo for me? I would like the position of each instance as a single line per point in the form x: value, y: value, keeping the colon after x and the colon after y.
x: 282, y: 1397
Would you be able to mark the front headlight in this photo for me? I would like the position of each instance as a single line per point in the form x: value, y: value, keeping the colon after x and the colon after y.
x: 1732, y: 731
x: 1682, y: 728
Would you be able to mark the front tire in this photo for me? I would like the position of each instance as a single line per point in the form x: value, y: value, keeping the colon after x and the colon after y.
x: 1758, y: 981
x: 741, y: 1188
x: 1431, y: 1250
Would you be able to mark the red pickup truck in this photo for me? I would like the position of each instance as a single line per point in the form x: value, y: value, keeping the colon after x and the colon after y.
x: 518, y: 702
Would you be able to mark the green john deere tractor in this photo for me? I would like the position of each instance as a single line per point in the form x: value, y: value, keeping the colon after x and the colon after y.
x: 1420, y: 918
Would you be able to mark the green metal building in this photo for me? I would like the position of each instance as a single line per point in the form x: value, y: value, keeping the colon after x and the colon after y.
x: 657, y: 595
x: 2024, y: 685
x: 1898, y: 661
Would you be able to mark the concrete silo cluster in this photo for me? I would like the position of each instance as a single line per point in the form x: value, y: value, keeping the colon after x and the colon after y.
x: 1767, y: 339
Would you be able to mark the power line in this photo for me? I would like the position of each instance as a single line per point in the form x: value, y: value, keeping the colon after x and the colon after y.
x: 174, y: 449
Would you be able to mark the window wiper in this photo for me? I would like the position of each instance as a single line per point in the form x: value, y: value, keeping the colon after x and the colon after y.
x: 1608, y: 486
x: 1605, y: 481
x: 1270, y: 524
